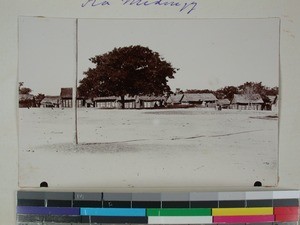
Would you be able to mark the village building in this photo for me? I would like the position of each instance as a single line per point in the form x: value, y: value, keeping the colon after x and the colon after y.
x: 224, y: 103
x: 114, y: 102
x: 26, y: 101
x: 109, y: 102
x: 50, y: 102
x: 246, y: 101
x: 89, y: 103
x: 130, y: 102
x: 135, y: 102
x: 66, y: 98
x: 174, y: 99
x: 144, y: 102
x: 199, y: 99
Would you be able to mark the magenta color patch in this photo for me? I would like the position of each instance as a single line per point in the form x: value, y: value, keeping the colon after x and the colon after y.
x: 243, y: 219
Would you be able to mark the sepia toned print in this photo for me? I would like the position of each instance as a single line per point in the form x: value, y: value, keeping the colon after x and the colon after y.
x: 155, y: 100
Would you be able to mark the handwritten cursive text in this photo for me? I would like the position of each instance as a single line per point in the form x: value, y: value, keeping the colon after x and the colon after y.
x: 186, y: 6
x: 95, y: 3
x: 183, y: 7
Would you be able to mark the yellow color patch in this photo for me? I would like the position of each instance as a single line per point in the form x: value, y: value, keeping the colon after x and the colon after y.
x: 242, y: 211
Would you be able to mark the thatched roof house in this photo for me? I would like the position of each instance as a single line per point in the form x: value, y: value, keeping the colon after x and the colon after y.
x: 66, y: 98
x: 50, y: 101
x: 202, y: 99
x: 174, y: 99
x: 131, y: 102
x: 245, y: 101
x: 223, y: 102
x: 108, y: 102
x: 149, y: 101
x: 66, y: 93
x: 150, y: 98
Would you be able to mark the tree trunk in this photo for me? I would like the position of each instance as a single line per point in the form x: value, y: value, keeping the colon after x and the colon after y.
x: 122, y: 102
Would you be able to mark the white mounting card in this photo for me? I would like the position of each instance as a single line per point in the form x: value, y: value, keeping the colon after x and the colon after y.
x: 216, y: 125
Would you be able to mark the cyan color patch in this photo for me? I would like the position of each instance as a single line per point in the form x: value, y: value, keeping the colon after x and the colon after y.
x: 112, y: 212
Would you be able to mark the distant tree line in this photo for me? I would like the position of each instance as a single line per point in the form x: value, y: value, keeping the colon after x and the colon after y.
x: 27, y: 99
x: 248, y: 88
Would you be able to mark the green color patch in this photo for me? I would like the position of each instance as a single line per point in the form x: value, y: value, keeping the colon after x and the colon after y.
x: 179, y: 212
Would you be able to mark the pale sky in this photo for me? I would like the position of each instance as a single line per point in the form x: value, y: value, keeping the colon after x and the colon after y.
x: 210, y: 53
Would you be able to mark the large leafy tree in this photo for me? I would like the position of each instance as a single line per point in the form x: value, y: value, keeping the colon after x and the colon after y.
x: 133, y: 70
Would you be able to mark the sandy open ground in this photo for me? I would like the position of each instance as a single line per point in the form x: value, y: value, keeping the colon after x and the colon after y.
x: 147, y: 148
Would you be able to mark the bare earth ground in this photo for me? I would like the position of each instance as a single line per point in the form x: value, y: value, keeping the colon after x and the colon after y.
x: 147, y: 148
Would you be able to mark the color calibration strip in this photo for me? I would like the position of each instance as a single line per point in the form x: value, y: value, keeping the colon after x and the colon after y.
x: 267, y: 207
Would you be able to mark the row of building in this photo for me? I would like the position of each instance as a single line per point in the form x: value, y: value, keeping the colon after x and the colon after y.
x: 180, y: 100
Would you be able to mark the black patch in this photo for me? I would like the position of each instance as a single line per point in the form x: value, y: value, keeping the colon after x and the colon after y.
x: 85, y: 219
x: 91, y: 204
x: 259, y: 203
x: 285, y: 202
x: 175, y: 204
x: 204, y: 204
x: 116, y: 204
x: 30, y: 202
x: 232, y: 204
x: 145, y: 204
x: 119, y: 219
x: 59, y: 203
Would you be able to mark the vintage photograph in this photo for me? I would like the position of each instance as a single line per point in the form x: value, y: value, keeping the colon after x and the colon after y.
x: 144, y: 103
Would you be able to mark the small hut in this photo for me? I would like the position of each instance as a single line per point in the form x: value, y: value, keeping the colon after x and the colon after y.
x: 200, y: 99
x: 224, y: 103
x: 244, y: 101
x: 114, y: 102
x: 66, y: 98
x: 152, y: 101
x: 174, y: 99
x: 50, y: 102
x: 109, y: 102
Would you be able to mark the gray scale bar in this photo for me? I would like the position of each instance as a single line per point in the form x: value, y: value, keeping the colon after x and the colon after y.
x: 45, y: 195
x: 175, y: 197
x: 203, y: 196
x: 154, y: 197
x: 31, y: 195
x: 228, y: 196
x: 117, y: 196
x: 82, y: 196
x: 59, y: 195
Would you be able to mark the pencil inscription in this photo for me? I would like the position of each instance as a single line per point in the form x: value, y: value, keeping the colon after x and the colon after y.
x: 183, y: 7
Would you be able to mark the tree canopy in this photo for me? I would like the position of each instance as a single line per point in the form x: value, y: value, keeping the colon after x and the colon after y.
x: 24, y: 90
x: 247, y: 88
x: 133, y: 70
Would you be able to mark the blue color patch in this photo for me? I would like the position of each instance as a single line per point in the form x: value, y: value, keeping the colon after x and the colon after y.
x: 47, y: 210
x: 112, y: 212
